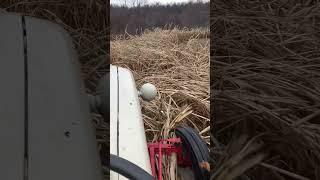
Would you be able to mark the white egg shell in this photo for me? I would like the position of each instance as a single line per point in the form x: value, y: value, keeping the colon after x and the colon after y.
x: 148, y: 92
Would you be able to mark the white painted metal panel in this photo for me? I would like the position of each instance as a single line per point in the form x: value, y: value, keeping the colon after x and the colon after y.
x: 127, y: 133
x: 113, y: 115
x: 132, y: 138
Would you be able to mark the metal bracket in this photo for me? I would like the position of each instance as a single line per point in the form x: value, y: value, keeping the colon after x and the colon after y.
x: 166, y: 147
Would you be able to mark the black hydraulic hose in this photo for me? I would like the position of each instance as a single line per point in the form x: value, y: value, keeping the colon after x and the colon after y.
x: 128, y: 169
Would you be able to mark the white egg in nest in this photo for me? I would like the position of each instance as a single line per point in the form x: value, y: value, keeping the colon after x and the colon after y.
x: 148, y: 92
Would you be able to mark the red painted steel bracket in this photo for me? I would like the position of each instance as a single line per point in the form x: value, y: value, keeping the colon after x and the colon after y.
x: 166, y: 147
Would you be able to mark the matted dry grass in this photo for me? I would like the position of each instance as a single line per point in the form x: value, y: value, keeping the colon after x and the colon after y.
x: 266, y: 89
x: 177, y: 63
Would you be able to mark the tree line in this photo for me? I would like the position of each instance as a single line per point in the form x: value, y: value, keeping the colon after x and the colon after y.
x: 135, y: 19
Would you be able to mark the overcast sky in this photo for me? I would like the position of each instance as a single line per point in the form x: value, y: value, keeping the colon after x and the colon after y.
x: 154, y: 1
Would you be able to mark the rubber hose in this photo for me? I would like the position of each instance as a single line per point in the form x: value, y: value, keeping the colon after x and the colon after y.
x: 128, y: 169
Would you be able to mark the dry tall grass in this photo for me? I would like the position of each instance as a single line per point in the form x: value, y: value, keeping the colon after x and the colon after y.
x: 177, y: 62
x: 266, y: 89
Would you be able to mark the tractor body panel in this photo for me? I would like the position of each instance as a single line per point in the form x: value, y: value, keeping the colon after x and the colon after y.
x: 50, y: 110
x: 114, y: 115
x: 127, y: 131
x: 12, y: 103
x: 61, y: 136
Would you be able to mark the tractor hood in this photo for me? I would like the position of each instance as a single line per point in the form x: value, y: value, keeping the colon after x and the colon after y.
x: 127, y: 133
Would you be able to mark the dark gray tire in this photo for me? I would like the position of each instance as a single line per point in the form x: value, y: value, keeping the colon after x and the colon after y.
x: 198, y: 149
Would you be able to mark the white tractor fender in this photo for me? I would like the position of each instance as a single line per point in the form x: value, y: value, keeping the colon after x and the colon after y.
x: 127, y: 133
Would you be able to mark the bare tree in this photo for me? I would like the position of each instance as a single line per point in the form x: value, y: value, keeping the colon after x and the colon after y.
x: 138, y: 3
x: 124, y: 3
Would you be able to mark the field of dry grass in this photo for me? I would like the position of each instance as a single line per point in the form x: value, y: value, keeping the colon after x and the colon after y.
x: 266, y: 89
x: 177, y: 63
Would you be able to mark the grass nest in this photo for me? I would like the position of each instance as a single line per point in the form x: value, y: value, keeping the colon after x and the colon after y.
x: 176, y: 61
x: 266, y: 89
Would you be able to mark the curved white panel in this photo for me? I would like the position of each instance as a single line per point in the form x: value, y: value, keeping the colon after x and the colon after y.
x: 131, y: 142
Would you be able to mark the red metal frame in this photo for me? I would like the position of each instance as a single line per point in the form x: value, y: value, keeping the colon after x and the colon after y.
x: 166, y: 147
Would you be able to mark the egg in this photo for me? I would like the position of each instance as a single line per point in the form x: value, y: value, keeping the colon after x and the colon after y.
x: 148, y: 92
